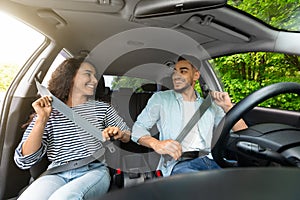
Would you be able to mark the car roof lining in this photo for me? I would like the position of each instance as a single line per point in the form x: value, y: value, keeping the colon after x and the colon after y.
x: 226, y: 23
x: 141, y: 46
x: 216, y: 29
x: 111, y: 6
x: 149, y: 60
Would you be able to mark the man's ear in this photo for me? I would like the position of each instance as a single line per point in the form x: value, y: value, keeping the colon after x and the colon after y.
x: 197, y: 75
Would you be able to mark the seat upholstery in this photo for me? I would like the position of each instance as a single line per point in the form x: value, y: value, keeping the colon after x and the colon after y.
x: 120, y: 101
x: 137, y: 102
x: 102, y: 92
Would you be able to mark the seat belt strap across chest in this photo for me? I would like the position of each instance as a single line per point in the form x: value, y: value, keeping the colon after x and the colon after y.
x: 195, y: 118
x: 83, y: 123
x: 191, y: 123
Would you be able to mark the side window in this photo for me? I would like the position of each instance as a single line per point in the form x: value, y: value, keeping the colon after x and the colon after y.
x: 18, y: 42
x: 245, y: 73
x: 63, y: 54
x: 117, y: 82
x: 127, y: 95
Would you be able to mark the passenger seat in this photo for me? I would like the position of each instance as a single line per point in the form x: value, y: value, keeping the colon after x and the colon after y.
x: 120, y: 101
x: 102, y: 92
x: 136, y: 103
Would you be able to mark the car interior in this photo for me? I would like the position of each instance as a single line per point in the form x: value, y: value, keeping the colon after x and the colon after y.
x: 143, y: 39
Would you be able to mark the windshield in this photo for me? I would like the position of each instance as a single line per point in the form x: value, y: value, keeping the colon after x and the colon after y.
x: 281, y: 14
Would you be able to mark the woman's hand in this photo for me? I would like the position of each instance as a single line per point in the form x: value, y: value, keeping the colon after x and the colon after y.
x: 113, y: 132
x: 43, y: 107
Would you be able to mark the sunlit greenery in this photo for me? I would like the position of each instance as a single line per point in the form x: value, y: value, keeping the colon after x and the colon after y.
x: 282, y: 14
x: 7, y: 73
x: 244, y: 73
x: 129, y: 82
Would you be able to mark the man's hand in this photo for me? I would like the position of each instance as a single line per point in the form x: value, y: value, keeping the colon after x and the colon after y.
x: 222, y: 99
x: 170, y: 147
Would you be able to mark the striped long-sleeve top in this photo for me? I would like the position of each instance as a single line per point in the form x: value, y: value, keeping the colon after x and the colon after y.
x: 64, y: 141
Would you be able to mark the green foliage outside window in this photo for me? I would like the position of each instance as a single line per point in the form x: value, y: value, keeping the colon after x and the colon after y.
x: 243, y: 74
x: 7, y: 74
x: 282, y: 14
x: 129, y: 82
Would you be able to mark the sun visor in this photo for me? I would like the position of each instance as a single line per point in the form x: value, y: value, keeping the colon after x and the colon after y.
x: 151, y: 8
x: 105, y: 6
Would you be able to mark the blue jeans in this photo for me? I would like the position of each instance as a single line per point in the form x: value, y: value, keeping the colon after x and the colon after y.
x: 86, y: 182
x: 194, y: 165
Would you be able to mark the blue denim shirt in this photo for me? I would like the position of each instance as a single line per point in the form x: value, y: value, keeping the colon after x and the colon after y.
x: 165, y: 109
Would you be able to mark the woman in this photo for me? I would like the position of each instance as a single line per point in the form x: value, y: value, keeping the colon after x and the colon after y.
x: 51, y: 133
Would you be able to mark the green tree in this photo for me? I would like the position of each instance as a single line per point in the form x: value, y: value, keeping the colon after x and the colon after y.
x: 244, y: 73
x: 128, y: 82
x: 282, y: 14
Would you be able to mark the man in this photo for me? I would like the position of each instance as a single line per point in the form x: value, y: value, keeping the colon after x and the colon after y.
x: 171, y: 110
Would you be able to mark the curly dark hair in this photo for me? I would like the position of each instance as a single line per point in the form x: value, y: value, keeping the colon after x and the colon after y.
x: 61, y: 80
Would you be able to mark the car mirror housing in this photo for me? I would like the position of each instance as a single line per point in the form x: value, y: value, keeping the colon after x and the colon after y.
x: 152, y: 8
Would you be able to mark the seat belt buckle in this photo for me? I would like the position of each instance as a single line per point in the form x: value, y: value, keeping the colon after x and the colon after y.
x: 110, y: 146
x: 118, y: 178
x: 167, y: 158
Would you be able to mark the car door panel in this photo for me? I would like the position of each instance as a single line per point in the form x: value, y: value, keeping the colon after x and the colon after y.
x: 265, y: 115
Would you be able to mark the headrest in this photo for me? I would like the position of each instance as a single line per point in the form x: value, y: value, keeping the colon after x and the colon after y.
x: 149, y: 87
x: 123, y: 90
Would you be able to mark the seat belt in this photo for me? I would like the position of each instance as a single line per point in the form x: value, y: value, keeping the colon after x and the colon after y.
x: 97, y: 155
x: 83, y: 123
x: 188, y: 127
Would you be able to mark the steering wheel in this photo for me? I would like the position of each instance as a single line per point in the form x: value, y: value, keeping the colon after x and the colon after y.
x: 264, y: 140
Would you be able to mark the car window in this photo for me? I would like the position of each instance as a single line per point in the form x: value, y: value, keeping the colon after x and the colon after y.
x: 242, y: 74
x: 18, y: 42
x: 117, y: 82
x: 63, y: 54
x: 279, y: 14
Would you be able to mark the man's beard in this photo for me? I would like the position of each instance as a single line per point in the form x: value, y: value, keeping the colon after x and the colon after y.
x: 181, y: 90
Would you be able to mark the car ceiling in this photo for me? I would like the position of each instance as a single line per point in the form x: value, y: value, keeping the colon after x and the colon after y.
x: 217, y: 28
